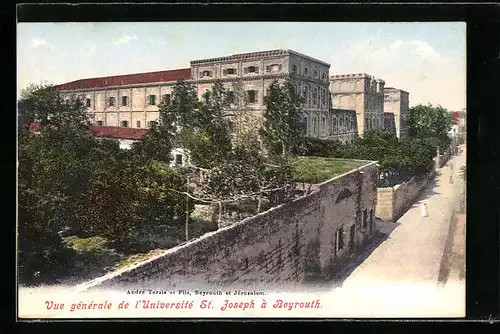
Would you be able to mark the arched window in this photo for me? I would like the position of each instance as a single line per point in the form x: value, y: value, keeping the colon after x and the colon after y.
x: 345, y: 193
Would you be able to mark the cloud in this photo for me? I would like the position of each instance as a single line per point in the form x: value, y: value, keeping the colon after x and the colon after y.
x: 421, y: 49
x: 88, y: 48
x: 124, y: 39
x: 39, y: 42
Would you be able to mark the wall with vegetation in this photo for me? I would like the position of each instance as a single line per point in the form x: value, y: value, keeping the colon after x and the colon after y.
x: 294, y: 242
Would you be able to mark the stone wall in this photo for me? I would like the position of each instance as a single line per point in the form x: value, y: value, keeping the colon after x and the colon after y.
x: 294, y: 242
x: 393, y: 202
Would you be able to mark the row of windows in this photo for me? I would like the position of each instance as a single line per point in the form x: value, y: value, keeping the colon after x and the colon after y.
x: 336, y: 125
x: 246, y: 70
x: 315, y: 73
x: 316, y: 96
x: 125, y: 100
x: 268, y: 69
x: 125, y: 124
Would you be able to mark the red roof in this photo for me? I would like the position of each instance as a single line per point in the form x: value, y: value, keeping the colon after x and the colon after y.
x: 118, y: 132
x: 107, y: 131
x: 128, y: 79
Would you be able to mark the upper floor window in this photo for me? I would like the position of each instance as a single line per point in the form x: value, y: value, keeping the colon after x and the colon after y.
x: 125, y: 124
x: 99, y: 123
x: 166, y: 99
x: 152, y: 124
x: 315, y: 73
x: 251, y: 69
x: 306, y: 71
x: 229, y: 71
x: 323, y: 124
x: 323, y: 76
x: 152, y: 100
x: 230, y: 97
x: 252, y: 96
x: 87, y: 103
x: 138, y: 124
x: 273, y: 68
x: 315, y: 125
x: 315, y: 96
x: 206, y: 73
x: 124, y: 100
x: 111, y: 101
x: 306, y: 94
x: 294, y: 68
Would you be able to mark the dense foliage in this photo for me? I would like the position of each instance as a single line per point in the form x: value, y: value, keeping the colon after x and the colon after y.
x: 398, y: 160
x: 282, y: 127
x: 69, y: 180
x: 431, y: 123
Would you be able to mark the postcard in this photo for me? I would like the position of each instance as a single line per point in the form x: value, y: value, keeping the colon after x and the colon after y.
x: 241, y: 170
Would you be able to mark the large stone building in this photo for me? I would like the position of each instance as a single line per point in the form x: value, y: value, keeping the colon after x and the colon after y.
x: 364, y: 94
x: 396, y: 101
x: 132, y: 100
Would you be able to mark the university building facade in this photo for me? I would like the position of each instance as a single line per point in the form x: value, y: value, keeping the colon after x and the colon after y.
x: 132, y: 100
x: 363, y: 93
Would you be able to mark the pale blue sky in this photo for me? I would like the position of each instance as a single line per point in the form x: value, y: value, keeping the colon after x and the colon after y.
x: 426, y: 59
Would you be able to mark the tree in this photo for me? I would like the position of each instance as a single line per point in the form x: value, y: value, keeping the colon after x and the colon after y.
x: 246, y: 124
x: 428, y: 121
x: 205, y: 132
x: 282, y: 117
x: 50, y: 172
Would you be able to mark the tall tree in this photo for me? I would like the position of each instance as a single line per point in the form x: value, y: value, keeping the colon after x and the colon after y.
x: 282, y: 116
x: 204, y: 129
x: 246, y: 125
x: 429, y: 121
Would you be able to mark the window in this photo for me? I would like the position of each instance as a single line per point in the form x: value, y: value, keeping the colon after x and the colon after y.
x: 315, y: 73
x: 230, y: 97
x: 229, y: 71
x: 206, y: 74
x: 251, y: 69
x: 323, y: 76
x: 294, y: 68
x: 87, y: 103
x: 166, y: 99
x: 371, y: 221
x: 125, y: 124
x: 339, y: 238
x: 364, y: 216
x: 138, y: 124
x: 315, y: 96
x: 252, y: 96
x: 304, y: 126
x: 315, y: 125
x: 323, y: 124
x: 334, y: 125
x: 99, y: 123
x: 152, y: 124
x: 306, y: 71
x: 111, y: 101
x: 306, y: 94
x: 124, y: 100
x: 178, y: 159
x: 152, y: 100
x: 273, y: 68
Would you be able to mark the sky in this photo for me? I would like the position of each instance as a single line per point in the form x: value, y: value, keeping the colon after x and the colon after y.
x: 426, y: 59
